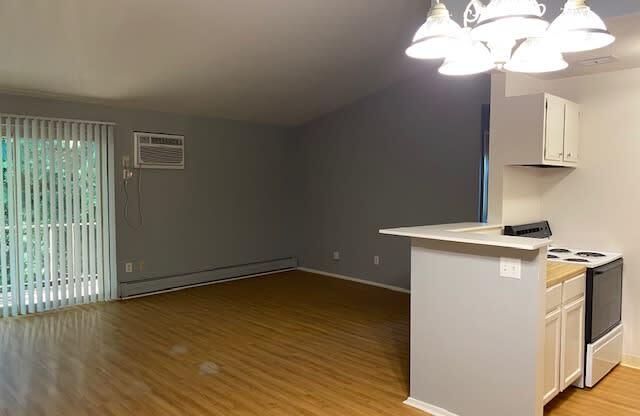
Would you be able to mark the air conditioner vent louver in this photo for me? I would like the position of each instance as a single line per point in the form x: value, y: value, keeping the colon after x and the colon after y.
x: 158, y: 151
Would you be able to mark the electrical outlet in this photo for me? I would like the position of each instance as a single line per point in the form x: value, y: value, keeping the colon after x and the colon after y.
x: 128, y: 267
x: 141, y: 266
x: 127, y: 173
x: 376, y: 260
x: 510, y: 268
x: 336, y: 255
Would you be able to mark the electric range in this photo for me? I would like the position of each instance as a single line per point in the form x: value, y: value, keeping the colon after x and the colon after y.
x: 588, y: 258
x: 603, y: 330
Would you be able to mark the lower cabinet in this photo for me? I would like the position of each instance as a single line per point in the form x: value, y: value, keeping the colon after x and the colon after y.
x: 564, y: 336
x: 572, y: 342
x: 552, y: 351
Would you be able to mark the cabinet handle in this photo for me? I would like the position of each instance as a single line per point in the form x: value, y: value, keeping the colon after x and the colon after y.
x: 569, y: 154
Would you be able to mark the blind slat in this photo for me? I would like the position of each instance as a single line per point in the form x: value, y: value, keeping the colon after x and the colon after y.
x: 30, y: 260
x: 35, y: 206
x: 70, y: 295
x: 111, y: 211
x: 99, y: 222
x: 20, y: 286
x: 53, y: 236
x: 84, y: 208
x: 3, y: 245
x: 14, y: 229
x: 106, y: 220
x: 46, y: 222
x: 61, y: 215
x: 77, y: 245
x: 91, y: 214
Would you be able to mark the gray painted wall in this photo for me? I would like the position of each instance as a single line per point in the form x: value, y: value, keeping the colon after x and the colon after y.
x: 232, y: 204
x: 476, y: 335
x: 408, y: 155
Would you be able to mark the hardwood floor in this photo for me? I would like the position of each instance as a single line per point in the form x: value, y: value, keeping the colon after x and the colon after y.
x: 287, y: 344
x: 616, y: 395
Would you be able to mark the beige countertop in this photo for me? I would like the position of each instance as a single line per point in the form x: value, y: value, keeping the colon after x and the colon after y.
x: 470, y: 233
x: 560, y: 272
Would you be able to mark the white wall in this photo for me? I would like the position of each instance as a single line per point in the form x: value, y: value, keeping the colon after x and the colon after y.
x: 514, y: 192
x: 595, y: 206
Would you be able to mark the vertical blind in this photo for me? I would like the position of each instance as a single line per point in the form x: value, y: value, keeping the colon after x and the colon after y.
x: 57, y: 247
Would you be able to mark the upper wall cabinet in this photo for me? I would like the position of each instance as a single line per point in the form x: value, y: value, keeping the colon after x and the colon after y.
x: 544, y: 130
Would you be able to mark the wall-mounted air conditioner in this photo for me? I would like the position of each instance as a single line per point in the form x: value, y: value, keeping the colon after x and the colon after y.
x: 158, y: 151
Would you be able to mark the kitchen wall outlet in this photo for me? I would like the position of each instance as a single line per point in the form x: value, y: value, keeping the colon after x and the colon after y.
x: 510, y: 268
x: 128, y: 267
x: 376, y: 260
x: 336, y: 255
x: 125, y: 161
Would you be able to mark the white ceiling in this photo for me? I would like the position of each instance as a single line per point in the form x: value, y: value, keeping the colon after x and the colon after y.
x: 275, y: 61
x: 625, y: 50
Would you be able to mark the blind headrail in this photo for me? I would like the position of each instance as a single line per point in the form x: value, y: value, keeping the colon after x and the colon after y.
x: 68, y: 120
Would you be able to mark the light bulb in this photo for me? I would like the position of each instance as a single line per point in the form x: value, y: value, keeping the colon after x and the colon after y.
x: 471, y: 57
x: 579, y: 29
x: 437, y: 36
x: 536, y: 55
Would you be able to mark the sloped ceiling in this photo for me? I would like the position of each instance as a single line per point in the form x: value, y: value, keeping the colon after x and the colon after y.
x: 276, y: 61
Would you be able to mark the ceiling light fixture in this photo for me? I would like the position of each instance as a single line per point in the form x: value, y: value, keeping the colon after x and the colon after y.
x: 470, y: 57
x: 501, y: 26
x: 579, y: 29
x: 537, y: 55
x: 436, y: 36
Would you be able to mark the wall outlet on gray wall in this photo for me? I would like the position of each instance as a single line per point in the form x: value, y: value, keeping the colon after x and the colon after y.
x: 336, y: 255
x: 376, y: 260
x: 128, y: 267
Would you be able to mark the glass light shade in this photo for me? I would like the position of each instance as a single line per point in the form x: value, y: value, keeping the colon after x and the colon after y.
x: 437, y: 36
x: 579, y: 29
x: 537, y: 55
x: 510, y: 19
x: 470, y: 57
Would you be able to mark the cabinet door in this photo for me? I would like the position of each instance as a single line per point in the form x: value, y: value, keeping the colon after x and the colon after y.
x: 554, y: 129
x: 552, y: 349
x: 571, y: 132
x: 572, y: 361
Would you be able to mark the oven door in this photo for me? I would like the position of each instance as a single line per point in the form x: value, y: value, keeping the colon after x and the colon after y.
x: 604, y: 291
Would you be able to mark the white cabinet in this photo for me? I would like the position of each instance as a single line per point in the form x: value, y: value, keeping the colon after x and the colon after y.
x: 542, y: 130
x: 554, y: 129
x: 572, y: 362
x: 571, y: 132
x: 564, y: 336
x: 552, y: 351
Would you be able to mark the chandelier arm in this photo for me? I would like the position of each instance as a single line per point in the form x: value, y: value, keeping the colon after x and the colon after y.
x: 472, y: 12
x: 543, y: 9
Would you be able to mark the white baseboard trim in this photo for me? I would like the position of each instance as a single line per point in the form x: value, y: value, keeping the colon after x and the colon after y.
x: 429, y: 408
x: 161, y: 283
x: 213, y: 282
x: 631, y: 361
x: 355, y: 279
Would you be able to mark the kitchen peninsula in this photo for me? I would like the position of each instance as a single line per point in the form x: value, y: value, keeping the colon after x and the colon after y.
x: 477, y: 320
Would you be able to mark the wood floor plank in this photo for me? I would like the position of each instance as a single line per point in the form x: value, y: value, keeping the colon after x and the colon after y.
x: 287, y: 344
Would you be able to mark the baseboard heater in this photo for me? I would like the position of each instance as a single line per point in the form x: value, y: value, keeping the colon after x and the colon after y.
x: 158, y: 284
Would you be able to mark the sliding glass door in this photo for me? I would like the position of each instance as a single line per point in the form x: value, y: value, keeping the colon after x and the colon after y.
x: 56, y: 199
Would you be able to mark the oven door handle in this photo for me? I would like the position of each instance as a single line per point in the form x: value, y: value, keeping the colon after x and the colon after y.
x: 605, y: 269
